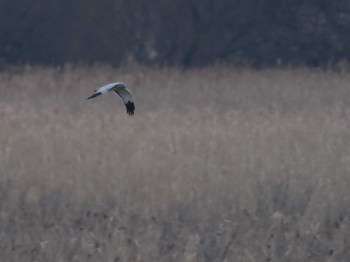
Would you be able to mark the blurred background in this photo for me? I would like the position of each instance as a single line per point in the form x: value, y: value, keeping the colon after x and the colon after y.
x: 239, y: 149
x: 176, y: 33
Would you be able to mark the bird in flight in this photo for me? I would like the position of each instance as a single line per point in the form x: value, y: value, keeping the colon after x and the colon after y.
x: 122, y: 91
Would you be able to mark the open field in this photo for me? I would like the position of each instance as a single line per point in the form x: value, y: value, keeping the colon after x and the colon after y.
x: 218, y: 164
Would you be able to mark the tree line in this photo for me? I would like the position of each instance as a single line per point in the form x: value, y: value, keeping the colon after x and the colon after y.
x: 181, y: 33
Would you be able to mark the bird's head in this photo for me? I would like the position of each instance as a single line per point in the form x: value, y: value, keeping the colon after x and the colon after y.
x: 120, y: 84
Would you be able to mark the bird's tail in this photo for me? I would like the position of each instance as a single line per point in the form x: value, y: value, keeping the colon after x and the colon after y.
x: 94, y: 95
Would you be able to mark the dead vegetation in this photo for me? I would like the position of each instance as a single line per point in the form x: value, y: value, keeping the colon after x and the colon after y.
x: 218, y: 164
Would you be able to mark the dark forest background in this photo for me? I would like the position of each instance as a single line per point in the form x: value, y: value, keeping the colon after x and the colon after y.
x: 182, y: 33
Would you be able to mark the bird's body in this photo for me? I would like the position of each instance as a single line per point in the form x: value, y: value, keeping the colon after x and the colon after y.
x: 122, y: 91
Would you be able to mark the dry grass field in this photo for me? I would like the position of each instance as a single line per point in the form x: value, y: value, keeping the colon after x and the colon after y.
x: 218, y: 164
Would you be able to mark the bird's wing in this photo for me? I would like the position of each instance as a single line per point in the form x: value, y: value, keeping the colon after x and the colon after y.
x: 126, y: 96
x: 101, y: 90
x: 104, y: 89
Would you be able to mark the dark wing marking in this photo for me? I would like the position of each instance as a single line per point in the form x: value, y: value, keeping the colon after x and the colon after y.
x: 94, y: 95
x: 130, y: 108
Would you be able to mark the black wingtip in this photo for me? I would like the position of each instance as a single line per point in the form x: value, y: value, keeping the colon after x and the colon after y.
x: 94, y: 95
x: 130, y: 108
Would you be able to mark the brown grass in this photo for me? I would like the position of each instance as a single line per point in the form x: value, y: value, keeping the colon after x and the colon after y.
x: 218, y: 164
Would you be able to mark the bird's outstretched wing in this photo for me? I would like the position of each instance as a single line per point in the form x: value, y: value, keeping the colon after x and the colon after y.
x: 126, y: 96
x: 94, y: 95
x: 101, y: 91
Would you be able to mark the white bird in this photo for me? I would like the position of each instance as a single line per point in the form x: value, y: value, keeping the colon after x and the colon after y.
x: 122, y: 91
